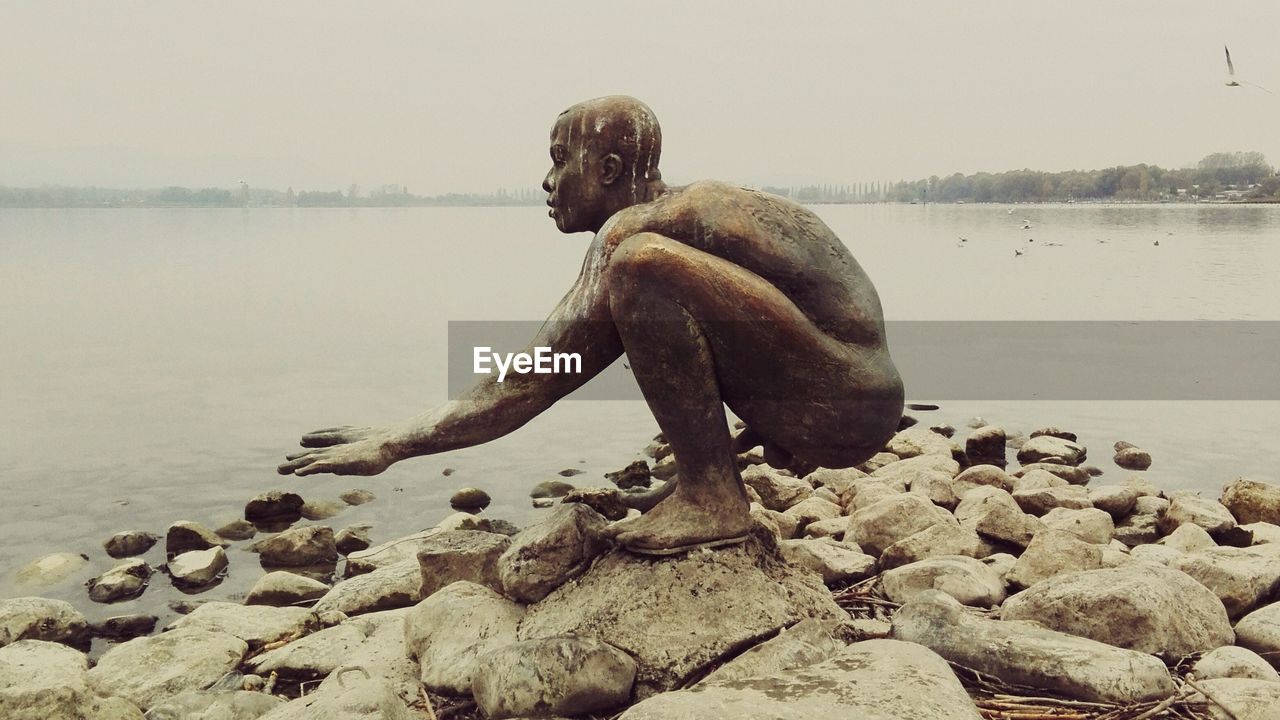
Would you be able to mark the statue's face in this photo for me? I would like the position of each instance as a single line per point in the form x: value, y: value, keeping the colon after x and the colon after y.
x: 574, y: 183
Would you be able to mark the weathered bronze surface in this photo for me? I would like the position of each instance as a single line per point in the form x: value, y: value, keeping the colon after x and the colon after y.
x: 718, y: 295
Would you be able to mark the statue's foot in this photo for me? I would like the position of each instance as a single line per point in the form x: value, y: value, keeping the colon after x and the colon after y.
x: 679, y: 524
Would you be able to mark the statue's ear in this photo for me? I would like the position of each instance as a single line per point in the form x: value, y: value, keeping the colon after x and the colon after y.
x: 610, y: 168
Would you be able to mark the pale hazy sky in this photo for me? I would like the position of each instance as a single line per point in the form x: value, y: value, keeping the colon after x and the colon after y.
x: 461, y: 96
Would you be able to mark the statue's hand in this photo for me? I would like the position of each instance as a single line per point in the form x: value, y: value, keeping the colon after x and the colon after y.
x: 341, y: 451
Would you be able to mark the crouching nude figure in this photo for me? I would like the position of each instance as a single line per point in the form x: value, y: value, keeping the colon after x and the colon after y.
x: 718, y: 295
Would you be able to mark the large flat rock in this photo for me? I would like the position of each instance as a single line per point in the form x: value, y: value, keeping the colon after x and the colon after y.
x: 152, y: 669
x: 871, y: 680
x: 1030, y: 654
x: 677, y: 614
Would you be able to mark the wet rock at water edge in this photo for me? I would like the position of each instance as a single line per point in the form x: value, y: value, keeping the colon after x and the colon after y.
x: 632, y: 476
x: 470, y: 555
x: 298, y: 547
x: 36, y: 618
x: 124, y: 627
x: 322, y: 509
x: 570, y: 472
x: 551, y: 489
x: 122, y: 582
x: 1252, y: 501
x: 274, y: 506
x: 281, y: 588
x: 986, y: 445
x: 185, y: 535
x: 469, y: 499
x: 198, y: 568
x: 1131, y: 457
x: 50, y: 569
x: 237, y: 530
x: 606, y: 501
x: 129, y: 543
x: 357, y: 496
x: 352, y: 539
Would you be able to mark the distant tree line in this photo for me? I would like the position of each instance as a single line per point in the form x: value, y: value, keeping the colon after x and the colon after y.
x: 1244, y: 176
x: 1231, y: 176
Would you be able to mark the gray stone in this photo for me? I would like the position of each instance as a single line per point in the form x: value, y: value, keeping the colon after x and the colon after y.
x: 833, y: 528
x: 1140, y: 606
x: 208, y: 705
x: 237, y: 530
x: 777, y: 492
x: 124, y: 627
x: 811, y: 510
x: 1247, y: 699
x: 352, y: 539
x: 1188, y: 538
x: 1056, y: 432
x: 916, y: 440
x: 298, y: 547
x: 1133, y: 459
x: 1041, y: 501
x: 870, y: 491
x: 935, y: 541
x: 454, y: 555
x: 549, y: 553
x: 322, y: 509
x: 185, y: 536
x: 285, y: 588
x: 1053, y: 552
x: 148, y: 670
x: 1040, y: 447
x: 197, y: 568
x: 351, y: 699
x: 274, y: 506
x: 724, y: 598
x: 634, y: 475
x: 1116, y: 500
x: 1037, y: 479
x: 881, y: 524
x: 1006, y: 524
x: 1234, y: 662
x: 470, y: 498
x: 805, y: 643
x: 129, y: 543
x: 1149, y: 504
x: 257, y: 625
x: 1071, y: 474
x: 389, y: 553
x: 1263, y: 533
x: 1030, y: 654
x: 36, y: 618
x: 837, y: 563
x: 46, y: 681
x: 1137, y: 529
x: 387, y: 588
x: 1252, y: 501
x: 50, y: 569
x: 1088, y: 524
x: 986, y: 445
x: 357, y: 496
x: 1241, y: 577
x: 877, y: 461
x: 1187, y: 507
x: 874, y: 679
x: 936, y: 486
x: 1158, y: 554
x: 122, y: 582
x: 982, y: 476
x: 839, y: 481
x: 968, y: 580
x: 1260, y: 631
x: 450, y: 630
x: 903, y: 473
x: 552, y: 676
x: 313, y: 656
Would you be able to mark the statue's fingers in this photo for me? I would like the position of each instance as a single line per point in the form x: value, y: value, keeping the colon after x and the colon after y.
x: 294, y: 464
x: 315, y: 467
x: 304, y: 453
x: 323, y: 438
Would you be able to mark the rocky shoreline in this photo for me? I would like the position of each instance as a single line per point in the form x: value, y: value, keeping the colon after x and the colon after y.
x: 933, y: 581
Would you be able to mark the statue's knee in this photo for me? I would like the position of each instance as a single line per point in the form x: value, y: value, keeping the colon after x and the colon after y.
x: 637, y: 259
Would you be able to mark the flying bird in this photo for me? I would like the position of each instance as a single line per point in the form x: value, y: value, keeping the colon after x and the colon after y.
x: 1231, y: 74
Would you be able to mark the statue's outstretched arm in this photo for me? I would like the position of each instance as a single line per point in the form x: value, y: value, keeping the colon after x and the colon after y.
x: 580, y: 324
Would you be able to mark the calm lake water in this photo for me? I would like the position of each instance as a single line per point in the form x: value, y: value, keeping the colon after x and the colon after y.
x: 157, y: 364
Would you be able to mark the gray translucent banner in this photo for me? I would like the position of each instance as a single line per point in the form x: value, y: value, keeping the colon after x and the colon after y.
x: 983, y: 360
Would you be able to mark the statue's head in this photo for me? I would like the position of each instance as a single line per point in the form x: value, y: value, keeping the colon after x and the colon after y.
x: 604, y: 157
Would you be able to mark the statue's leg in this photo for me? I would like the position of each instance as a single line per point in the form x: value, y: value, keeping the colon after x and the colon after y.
x: 701, y: 332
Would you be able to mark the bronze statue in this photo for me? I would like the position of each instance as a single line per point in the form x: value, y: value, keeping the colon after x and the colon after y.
x: 718, y: 295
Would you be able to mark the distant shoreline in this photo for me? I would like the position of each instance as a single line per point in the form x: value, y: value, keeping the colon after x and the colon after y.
x: 149, y: 206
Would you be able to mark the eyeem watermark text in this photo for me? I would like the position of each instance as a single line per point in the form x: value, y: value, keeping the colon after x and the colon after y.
x: 541, y: 362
